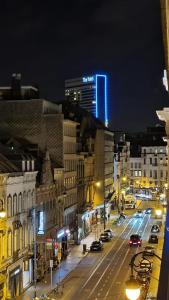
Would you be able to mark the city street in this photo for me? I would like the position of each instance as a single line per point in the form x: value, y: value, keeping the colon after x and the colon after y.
x: 103, y: 275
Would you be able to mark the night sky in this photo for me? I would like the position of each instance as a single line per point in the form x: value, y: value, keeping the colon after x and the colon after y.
x: 50, y: 41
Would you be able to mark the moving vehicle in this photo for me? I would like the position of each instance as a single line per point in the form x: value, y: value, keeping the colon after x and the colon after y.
x: 135, y: 240
x: 96, y: 246
x: 148, y: 211
x: 139, y: 214
x: 129, y: 201
x: 153, y: 239
x: 110, y: 232
x: 149, y: 251
x: 155, y: 229
x: 105, y: 237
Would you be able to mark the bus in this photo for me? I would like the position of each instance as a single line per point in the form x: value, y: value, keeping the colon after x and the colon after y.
x: 129, y: 201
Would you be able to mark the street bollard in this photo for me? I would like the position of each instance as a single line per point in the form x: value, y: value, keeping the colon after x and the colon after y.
x: 84, y: 248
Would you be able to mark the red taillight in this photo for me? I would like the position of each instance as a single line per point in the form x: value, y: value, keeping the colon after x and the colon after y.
x: 130, y: 242
x: 139, y: 242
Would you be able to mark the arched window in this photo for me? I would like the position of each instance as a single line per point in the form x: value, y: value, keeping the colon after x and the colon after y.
x: 9, y: 243
x: 9, y: 206
x: 20, y: 202
x: 14, y: 204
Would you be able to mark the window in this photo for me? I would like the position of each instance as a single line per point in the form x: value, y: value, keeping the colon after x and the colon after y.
x: 9, y: 206
x: 150, y: 160
x: 131, y: 165
x: 150, y: 173
x: 144, y: 151
x: 161, y: 173
x: 155, y: 161
x: 139, y: 173
x: 23, y: 165
x: 144, y: 173
x: 155, y: 174
x: 14, y: 205
x: 135, y: 165
x: 161, y: 150
x: 9, y: 243
x: 139, y: 165
x: 144, y: 161
x: 131, y: 172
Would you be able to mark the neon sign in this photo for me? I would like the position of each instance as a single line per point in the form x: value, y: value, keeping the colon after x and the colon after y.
x: 88, y: 79
x: 41, y: 221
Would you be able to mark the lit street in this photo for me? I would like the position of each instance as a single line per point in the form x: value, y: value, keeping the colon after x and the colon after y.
x: 103, y: 275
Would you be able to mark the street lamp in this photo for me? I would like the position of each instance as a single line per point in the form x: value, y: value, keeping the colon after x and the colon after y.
x: 132, y: 289
x: 2, y: 211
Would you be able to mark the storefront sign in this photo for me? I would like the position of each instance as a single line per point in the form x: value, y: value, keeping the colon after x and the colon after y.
x: 41, y: 223
x: 60, y: 233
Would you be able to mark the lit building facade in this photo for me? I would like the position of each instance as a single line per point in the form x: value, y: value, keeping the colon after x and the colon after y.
x: 91, y: 93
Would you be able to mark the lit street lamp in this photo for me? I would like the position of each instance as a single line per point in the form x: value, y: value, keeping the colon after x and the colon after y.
x: 132, y: 289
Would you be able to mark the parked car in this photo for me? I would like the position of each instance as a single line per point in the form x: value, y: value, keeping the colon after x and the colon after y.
x: 135, y: 240
x: 105, y: 237
x: 110, y: 232
x: 155, y: 229
x: 139, y: 214
x: 146, y: 265
x: 153, y: 239
x: 143, y: 277
x: 148, y: 211
x: 149, y: 251
x: 96, y: 246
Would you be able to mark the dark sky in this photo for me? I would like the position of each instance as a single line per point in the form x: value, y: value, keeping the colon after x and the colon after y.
x: 50, y: 41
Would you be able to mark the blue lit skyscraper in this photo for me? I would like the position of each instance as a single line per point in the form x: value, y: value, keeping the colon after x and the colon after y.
x: 90, y: 92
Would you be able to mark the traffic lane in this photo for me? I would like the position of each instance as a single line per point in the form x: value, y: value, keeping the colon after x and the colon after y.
x: 99, y: 282
x: 87, y: 266
x: 117, y: 275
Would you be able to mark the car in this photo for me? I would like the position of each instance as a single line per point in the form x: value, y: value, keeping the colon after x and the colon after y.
x: 149, y: 251
x: 148, y: 211
x: 146, y: 265
x: 153, y: 239
x: 135, y: 240
x: 143, y: 277
x: 139, y: 214
x: 155, y: 228
x: 96, y: 246
x: 105, y: 237
x: 110, y: 232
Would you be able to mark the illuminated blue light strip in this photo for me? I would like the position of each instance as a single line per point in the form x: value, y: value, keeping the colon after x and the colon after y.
x: 105, y: 98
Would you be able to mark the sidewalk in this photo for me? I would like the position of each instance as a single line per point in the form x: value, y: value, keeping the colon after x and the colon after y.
x: 66, y: 266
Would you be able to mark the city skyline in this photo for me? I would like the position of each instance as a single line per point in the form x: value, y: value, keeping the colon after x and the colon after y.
x: 66, y: 40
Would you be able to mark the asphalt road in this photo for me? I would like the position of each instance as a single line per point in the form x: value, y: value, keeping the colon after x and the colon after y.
x: 102, y: 276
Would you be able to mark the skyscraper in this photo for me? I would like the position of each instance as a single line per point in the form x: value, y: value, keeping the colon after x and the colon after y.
x: 90, y: 92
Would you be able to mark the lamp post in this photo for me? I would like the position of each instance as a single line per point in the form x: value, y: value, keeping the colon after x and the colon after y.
x: 132, y: 286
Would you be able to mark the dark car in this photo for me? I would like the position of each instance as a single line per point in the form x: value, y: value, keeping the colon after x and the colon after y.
x: 105, y: 237
x: 153, y: 239
x: 155, y: 229
x: 148, y: 211
x: 96, y: 246
x: 135, y: 240
x: 110, y: 232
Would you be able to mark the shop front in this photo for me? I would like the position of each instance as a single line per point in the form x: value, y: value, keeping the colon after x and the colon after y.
x: 85, y: 222
x: 27, y: 272
x: 15, y: 282
x: 63, y: 236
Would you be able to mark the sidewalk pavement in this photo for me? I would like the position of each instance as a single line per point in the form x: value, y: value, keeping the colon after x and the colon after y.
x: 66, y: 266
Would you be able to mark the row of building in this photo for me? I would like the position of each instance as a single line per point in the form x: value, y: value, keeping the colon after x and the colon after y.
x: 60, y: 170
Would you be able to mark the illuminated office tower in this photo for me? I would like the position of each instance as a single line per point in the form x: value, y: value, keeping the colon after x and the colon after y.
x: 90, y: 92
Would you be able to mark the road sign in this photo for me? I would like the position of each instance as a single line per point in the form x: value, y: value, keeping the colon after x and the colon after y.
x: 51, y: 263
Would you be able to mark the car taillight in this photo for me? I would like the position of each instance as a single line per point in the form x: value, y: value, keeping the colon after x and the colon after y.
x: 130, y: 242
